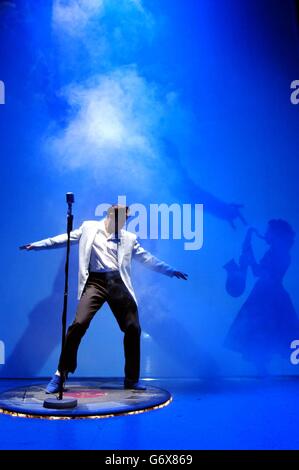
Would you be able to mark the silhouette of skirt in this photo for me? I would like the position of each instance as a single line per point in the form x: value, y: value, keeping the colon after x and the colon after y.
x: 266, y: 323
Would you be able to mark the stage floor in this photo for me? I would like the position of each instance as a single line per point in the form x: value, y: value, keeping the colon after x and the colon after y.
x: 224, y: 414
x: 97, y: 398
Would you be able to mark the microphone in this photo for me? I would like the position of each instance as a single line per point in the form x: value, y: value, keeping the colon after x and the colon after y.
x: 70, y: 198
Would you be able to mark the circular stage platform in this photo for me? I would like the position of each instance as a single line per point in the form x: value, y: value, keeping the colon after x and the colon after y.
x: 98, y: 398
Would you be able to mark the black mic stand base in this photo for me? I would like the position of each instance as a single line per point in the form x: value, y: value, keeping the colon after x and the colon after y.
x: 60, y: 403
x: 56, y: 404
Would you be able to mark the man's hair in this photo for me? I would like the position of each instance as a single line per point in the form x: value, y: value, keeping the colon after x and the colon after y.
x: 118, y: 208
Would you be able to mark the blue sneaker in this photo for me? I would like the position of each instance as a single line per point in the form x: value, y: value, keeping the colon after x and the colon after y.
x: 54, y: 384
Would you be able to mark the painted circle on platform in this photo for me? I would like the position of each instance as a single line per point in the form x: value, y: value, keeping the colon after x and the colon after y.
x: 96, y: 398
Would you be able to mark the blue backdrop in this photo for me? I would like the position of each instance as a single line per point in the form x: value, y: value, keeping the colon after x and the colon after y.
x: 187, y: 102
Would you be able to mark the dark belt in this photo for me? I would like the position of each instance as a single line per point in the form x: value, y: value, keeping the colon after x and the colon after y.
x: 103, y: 274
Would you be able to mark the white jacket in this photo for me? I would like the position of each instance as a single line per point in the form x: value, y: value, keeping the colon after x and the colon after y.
x: 128, y: 247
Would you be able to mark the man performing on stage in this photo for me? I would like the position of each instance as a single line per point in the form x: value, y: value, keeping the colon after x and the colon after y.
x: 105, y: 253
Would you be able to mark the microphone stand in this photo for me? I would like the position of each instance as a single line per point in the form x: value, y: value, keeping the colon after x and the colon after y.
x: 60, y: 402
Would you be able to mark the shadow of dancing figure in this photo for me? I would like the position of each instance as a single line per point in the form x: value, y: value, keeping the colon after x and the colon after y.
x: 267, y: 322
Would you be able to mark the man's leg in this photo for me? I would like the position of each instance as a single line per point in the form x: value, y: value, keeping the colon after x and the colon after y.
x: 92, y: 299
x: 125, y: 311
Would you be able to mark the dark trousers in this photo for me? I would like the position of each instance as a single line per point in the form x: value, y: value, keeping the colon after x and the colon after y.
x: 101, y: 288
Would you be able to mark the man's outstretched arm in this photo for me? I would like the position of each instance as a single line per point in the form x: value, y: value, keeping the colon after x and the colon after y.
x: 151, y: 262
x: 54, y: 242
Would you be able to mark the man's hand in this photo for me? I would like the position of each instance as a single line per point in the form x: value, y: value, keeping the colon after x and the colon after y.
x: 26, y: 247
x: 180, y: 275
x: 234, y: 213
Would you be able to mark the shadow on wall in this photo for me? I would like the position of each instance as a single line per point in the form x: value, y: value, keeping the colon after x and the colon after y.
x: 267, y: 322
x: 171, y: 336
x: 43, y: 332
x: 265, y: 325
